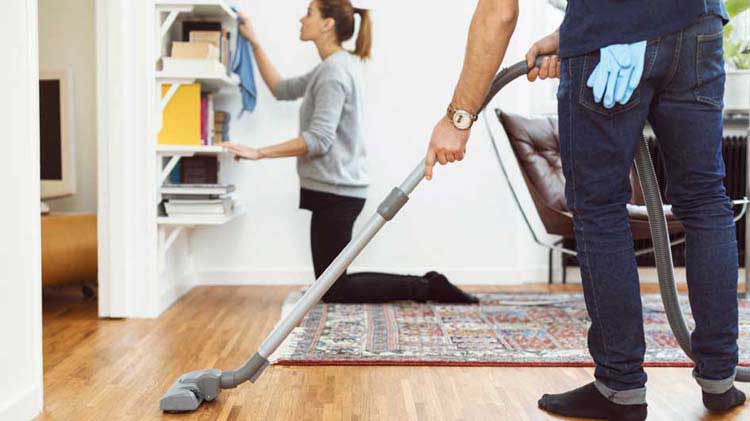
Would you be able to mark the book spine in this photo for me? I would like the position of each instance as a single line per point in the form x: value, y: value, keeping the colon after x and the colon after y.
x: 204, y: 114
x: 210, y: 120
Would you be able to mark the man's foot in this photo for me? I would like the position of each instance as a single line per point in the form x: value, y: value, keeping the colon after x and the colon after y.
x: 721, y: 402
x: 442, y: 291
x: 588, y: 402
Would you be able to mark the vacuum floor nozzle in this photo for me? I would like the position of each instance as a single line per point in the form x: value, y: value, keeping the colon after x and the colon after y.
x: 190, y: 390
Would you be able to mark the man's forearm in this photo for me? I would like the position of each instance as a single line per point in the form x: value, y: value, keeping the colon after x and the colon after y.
x: 491, y: 28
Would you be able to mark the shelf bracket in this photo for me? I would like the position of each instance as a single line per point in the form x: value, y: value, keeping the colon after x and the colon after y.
x: 168, y: 22
x: 172, y: 238
x: 166, y: 242
x: 169, y: 94
x: 174, y: 85
x: 168, y: 168
x: 173, y: 11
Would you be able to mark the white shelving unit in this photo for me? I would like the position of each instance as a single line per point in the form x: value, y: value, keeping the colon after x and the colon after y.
x: 168, y: 12
x: 191, y: 221
x: 208, y: 82
x: 184, y: 150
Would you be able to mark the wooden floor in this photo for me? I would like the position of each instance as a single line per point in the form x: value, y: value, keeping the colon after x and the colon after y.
x: 117, y: 369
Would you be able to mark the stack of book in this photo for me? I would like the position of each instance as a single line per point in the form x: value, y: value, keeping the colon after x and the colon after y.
x: 214, y: 124
x: 199, y: 200
x: 221, y: 127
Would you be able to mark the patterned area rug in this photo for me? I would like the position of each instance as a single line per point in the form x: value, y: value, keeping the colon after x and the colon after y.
x: 503, y: 330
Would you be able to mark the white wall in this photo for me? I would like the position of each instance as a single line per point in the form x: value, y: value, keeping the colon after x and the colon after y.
x: 463, y: 223
x: 20, y: 253
x: 129, y: 284
x: 67, y: 39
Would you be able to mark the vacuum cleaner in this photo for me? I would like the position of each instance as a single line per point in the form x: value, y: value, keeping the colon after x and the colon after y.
x: 195, y: 387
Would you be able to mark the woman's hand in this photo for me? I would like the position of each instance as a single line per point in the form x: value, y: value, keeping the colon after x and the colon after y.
x: 550, y: 67
x: 242, y: 151
x: 246, y: 28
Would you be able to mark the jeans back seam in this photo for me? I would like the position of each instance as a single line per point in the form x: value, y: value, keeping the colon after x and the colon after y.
x: 650, y: 67
x: 675, y: 61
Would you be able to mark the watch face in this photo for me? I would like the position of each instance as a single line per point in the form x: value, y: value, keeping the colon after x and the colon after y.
x: 462, y: 120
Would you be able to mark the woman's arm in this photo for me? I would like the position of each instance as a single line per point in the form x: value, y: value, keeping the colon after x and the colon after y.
x: 267, y: 71
x: 316, y: 140
x: 283, y: 89
x: 294, y: 147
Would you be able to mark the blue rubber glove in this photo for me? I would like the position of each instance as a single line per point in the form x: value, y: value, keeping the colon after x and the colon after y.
x: 618, y: 73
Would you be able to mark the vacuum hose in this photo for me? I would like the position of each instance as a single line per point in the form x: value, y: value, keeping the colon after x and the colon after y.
x: 663, y: 254
x: 657, y: 224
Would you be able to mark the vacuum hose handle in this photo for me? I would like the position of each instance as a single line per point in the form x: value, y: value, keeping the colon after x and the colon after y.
x: 507, y: 75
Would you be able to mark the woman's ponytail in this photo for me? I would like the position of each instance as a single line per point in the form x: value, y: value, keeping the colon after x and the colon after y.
x: 342, y: 12
x: 364, y: 37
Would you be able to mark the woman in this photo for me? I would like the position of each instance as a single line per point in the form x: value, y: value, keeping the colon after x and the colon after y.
x: 331, y: 154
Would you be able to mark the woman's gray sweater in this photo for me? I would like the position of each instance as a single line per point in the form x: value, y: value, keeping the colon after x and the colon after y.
x: 330, y: 121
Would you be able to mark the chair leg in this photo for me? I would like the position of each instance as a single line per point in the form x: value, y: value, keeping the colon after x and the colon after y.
x: 563, y: 265
x: 549, y: 267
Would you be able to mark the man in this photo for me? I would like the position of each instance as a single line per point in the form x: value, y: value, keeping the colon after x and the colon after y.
x: 646, y: 60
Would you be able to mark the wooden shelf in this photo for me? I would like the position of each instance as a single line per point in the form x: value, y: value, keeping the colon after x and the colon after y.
x: 182, y: 150
x: 200, y: 220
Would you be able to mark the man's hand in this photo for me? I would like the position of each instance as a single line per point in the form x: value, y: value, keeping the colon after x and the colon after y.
x: 550, y: 65
x: 242, y: 151
x: 491, y: 27
x: 447, y: 144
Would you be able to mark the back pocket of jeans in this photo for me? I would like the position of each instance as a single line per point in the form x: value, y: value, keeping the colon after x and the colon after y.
x: 586, y: 94
x: 709, y: 68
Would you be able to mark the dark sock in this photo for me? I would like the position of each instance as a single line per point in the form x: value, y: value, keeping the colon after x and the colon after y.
x: 588, y: 402
x: 720, y: 402
x: 442, y: 291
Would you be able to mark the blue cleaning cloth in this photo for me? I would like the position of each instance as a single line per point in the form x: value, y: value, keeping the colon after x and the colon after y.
x: 243, y: 66
x: 618, y: 73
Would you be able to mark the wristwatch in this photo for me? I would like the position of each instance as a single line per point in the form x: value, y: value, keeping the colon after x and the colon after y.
x: 461, y: 119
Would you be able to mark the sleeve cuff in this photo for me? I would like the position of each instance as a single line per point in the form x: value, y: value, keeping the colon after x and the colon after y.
x: 313, y: 145
x: 282, y: 90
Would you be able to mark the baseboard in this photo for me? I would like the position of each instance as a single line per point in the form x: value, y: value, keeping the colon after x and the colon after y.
x: 460, y: 276
x: 171, y: 295
x: 23, y: 406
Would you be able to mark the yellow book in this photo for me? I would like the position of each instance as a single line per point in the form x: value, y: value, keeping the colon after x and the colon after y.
x: 181, y: 121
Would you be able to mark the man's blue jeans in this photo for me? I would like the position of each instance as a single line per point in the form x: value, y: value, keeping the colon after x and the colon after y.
x: 681, y: 95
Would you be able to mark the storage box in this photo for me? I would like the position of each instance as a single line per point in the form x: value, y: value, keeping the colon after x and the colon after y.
x: 213, y: 37
x: 195, y: 50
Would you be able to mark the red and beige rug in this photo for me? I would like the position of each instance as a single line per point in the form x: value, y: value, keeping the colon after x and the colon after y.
x: 503, y: 330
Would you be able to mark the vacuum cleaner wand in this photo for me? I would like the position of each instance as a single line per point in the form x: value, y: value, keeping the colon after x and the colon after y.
x: 191, y: 389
